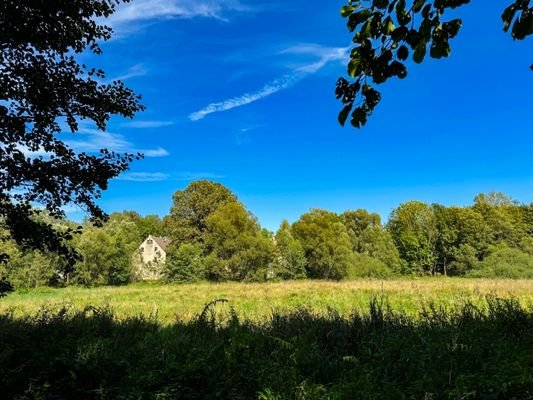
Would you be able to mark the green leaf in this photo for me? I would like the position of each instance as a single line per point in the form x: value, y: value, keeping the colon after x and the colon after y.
x: 347, y: 11
x: 508, y: 16
x: 404, y: 18
x: 353, y: 67
x: 359, y: 117
x: 426, y: 10
x: 398, y: 69
x: 357, y: 18
x: 381, y: 4
x: 400, y: 7
x: 440, y: 49
x: 388, y: 26
x: 420, y: 52
x: 343, y: 115
x: 452, y: 27
x: 366, y: 30
x: 403, y: 53
x: 399, y: 34
x: 523, y: 26
x: 417, y: 6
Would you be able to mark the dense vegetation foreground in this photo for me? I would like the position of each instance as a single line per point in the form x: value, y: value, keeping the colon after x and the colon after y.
x: 463, y: 352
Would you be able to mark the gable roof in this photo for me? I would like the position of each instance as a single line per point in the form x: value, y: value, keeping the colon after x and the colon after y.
x: 162, y: 242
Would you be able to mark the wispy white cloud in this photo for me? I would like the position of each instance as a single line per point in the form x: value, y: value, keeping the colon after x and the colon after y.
x: 322, y: 55
x: 88, y: 139
x: 132, y: 72
x: 158, y: 152
x: 130, y: 16
x: 192, y: 176
x: 249, y: 128
x: 147, y: 124
x: 163, y: 176
x: 93, y: 140
x: 243, y: 134
x: 270, y: 88
x: 144, y: 176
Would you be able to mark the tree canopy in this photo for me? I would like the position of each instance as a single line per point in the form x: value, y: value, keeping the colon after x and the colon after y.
x: 413, y: 227
x: 238, y: 249
x: 44, y: 91
x: 192, y: 206
x: 326, y: 242
x: 386, y: 33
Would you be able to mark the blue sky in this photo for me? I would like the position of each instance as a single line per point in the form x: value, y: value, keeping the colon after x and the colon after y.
x: 242, y: 92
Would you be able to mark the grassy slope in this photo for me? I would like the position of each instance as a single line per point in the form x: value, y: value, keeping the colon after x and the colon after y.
x: 258, y: 301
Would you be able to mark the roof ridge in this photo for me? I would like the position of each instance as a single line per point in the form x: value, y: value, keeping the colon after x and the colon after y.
x: 162, y: 241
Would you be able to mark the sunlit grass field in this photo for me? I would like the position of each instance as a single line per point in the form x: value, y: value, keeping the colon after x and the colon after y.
x: 258, y: 301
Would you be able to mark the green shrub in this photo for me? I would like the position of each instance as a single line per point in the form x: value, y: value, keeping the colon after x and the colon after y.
x: 505, y: 262
x: 365, y: 266
x: 464, y: 260
x: 186, y: 264
x: 28, y: 269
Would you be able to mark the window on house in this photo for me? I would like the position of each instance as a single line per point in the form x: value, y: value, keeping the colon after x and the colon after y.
x: 142, y: 249
x: 149, y: 241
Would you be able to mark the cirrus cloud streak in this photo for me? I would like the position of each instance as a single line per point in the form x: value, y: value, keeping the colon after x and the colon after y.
x: 325, y: 55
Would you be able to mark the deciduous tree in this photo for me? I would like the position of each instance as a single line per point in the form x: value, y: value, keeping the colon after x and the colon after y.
x: 290, y: 256
x: 377, y: 243
x: 357, y: 221
x: 237, y: 249
x: 326, y: 242
x: 44, y: 91
x: 413, y: 228
x: 106, y: 253
x: 187, y: 222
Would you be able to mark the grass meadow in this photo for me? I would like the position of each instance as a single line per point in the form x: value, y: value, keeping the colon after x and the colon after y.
x: 258, y: 301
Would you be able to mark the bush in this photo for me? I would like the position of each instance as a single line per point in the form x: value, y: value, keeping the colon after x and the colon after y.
x: 186, y: 264
x: 505, y: 262
x: 365, y: 266
x: 28, y: 269
x: 464, y: 260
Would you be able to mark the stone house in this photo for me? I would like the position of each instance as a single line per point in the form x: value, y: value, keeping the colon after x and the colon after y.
x: 150, y: 258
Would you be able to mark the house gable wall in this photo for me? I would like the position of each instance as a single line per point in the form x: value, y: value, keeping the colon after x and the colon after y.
x: 150, y: 259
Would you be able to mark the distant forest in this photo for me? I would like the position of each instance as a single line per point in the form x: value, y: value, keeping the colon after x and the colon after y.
x: 215, y: 238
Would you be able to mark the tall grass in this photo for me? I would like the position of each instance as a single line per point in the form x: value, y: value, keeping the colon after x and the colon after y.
x: 258, y: 301
x: 472, y: 351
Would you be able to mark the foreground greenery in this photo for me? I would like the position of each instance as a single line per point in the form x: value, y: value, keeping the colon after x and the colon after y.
x: 257, y: 301
x: 454, y: 353
x: 387, y: 32
x: 46, y: 93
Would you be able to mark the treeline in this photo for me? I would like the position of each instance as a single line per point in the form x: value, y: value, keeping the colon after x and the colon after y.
x: 214, y: 237
x: 104, y: 254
